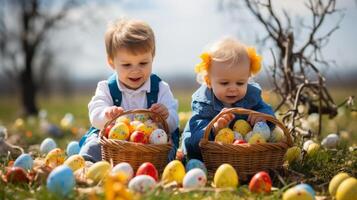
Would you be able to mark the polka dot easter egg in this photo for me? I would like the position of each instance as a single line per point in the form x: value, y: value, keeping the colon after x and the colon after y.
x: 263, y: 129
x: 124, y: 168
x: 141, y: 117
x: 119, y: 131
x: 195, y: 178
x: 75, y: 162
x: 174, y: 171
x: 225, y: 135
x: 142, y: 183
x: 158, y: 136
x: 55, y: 158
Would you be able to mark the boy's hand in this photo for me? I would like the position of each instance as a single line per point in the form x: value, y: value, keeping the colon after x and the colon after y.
x: 223, y: 121
x: 252, y: 119
x: 113, y: 111
x: 160, y: 109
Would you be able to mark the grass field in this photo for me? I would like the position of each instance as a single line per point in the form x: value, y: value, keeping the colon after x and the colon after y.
x: 317, y: 170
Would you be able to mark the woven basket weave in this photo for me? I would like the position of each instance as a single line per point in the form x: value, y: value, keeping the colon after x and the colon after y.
x: 116, y: 151
x: 247, y: 159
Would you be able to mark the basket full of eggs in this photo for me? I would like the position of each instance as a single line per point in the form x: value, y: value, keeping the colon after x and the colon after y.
x: 248, y: 149
x: 136, y: 136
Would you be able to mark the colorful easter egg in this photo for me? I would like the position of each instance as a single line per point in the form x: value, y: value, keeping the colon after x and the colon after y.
x: 119, y: 131
x: 225, y: 177
x: 336, y: 181
x: 195, y: 163
x: 16, y: 175
x: 195, y: 178
x: 308, y: 188
x: 347, y: 189
x: 241, y: 126
x: 257, y: 138
x: 293, y: 154
x: 141, y: 117
x: 313, y: 149
x: 263, y: 129
x: 237, y: 142
x: 61, y: 180
x: 260, y: 183
x: 24, y: 161
x: 158, y: 136
x: 125, y: 119
x: 297, y: 194
x: 98, y: 171
x: 55, y: 157
x: 75, y: 162
x: 149, y: 169
x: 134, y: 125
x: 174, y: 171
x: 139, y: 137
x: 331, y: 141
x: 144, y: 128
x: 225, y: 135
x: 307, y: 144
x: 47, y: 145
x: 142, y: 183
x: 107, y: 130
x: 72, y: 148
x: 124, y: 168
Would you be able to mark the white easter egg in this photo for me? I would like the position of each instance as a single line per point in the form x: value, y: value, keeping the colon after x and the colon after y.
x: 307, y: 144
x: 124, y: 168
x: 142, y: 183
x: 237, y: 136
x: 331, y: 141
x: 195, y: 178
x: 158, y: 136
x: 47, y: 145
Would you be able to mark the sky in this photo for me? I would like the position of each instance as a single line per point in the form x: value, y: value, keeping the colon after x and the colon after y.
x: 183, y: 29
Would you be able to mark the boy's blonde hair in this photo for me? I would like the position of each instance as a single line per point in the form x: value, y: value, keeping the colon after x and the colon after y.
x: 133, y: 35
x: 227, y: 49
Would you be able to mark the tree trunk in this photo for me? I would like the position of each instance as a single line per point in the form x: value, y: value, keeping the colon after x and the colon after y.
x: 28, y: 92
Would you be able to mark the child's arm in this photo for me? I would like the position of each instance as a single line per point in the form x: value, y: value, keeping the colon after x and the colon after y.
x: 101, y: 108
x: 166, y: 98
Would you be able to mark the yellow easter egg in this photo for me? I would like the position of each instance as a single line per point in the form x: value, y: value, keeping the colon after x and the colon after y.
x: 119, y: 131
x: 124, y: 119
x: 98, y: 171
x: 336, y: 181
x: 278, y: 135
x: 242, y: 127
x: 313, y: 148
x: 225, y: 176
x: 55, y: 157
x: 75, y: 162
x: 144, y: 128
x: 293, y: 154
x: 225, y: 135
x: 134, y: 125
x: 347, y: 189
x: 174, y: 171
x: 257, y: 139
x: 297, y: 194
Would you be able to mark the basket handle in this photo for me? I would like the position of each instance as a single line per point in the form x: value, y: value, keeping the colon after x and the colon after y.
x: 239, y: 110
x: 145, y: 111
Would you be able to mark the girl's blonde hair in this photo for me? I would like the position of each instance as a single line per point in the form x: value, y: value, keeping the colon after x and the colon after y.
x: 133, y: 35
x: 227, y: 49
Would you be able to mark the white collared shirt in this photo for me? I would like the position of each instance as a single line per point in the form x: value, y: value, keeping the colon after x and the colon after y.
x: 131, y: 99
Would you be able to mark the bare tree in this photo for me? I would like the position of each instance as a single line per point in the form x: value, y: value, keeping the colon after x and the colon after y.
x: 296, y: 70
x: 24, y: 27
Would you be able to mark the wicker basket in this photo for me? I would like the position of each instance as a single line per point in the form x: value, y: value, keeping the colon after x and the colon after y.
x: 116, y: 151
x: 247, y: 159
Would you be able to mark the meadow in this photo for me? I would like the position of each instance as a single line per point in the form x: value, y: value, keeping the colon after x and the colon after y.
x: 315, y: 170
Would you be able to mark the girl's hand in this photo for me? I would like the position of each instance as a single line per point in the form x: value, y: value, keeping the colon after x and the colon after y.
x: 223, y: 121
x: 113, y: 111
x: 160, y: 109
x: 252, y: 119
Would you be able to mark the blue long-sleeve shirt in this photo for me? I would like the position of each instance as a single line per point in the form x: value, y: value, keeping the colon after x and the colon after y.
x: 205, y: 106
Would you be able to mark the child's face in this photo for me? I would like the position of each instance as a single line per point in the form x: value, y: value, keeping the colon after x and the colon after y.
x: 229, y: 82
x: 132, y: 69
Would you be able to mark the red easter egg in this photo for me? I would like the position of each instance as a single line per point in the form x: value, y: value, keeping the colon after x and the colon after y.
x: 16, y: 175
x: 107, y: 129
x: 260, y: 183
x: 139, y: 137
x: 149, y: 169
x: 236, y: 142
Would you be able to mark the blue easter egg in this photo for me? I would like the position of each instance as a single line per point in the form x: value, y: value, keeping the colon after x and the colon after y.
x: 54, y: 131
x: 61, y: 180
x: 72, y: 148
x: 263, y: 129
x: 307, y: 188
x: 47, y: 145
x: 194, y: 163
x: 24, y: 161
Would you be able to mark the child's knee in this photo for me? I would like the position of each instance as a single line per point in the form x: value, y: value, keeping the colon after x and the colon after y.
x: 91, y: 150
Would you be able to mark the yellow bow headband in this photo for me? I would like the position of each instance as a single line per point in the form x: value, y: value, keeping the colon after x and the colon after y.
x: 255, y: 62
